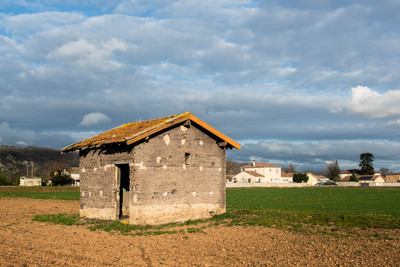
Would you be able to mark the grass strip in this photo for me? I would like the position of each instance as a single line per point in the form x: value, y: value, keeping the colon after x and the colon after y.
x: 44, y: 195
x: 60, y: 218
x: 297, y: 221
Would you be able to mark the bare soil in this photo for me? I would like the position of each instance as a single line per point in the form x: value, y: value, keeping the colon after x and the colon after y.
x: 24, y: 242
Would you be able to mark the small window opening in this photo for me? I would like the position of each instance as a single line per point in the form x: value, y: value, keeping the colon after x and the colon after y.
x: 187, y: 158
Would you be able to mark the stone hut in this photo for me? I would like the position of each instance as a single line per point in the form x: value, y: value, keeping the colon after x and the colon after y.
x: 153, y: 172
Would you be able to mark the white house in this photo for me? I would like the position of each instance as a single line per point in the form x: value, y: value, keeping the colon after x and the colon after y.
x: 287, y: 177
x: 30, y: 181
x: 248, y: 177
x: 73, y: 172
x: 269, y: 173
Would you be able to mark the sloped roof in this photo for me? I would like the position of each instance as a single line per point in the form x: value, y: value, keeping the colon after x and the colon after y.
x: 393, y: 174
x: 130, y: 133
x: 262, y: 165
x: 361, y: 178
x: 368, y: 177
x: 255, y: 174
x: 317, y: 176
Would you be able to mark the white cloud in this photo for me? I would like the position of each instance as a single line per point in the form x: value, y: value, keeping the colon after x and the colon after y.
x: 22, y: 143
x: 11, y: 136
x: 394, y: 123
x: 26, y: 24
x: 372, y: 104
x: 94, y: 118
x: 84, y: 53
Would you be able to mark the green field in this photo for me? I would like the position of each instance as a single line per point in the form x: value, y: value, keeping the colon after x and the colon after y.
x: 384, y: 201
x: 41, y: 192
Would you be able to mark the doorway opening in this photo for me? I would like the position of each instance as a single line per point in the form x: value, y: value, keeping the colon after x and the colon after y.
x: 124, y: 191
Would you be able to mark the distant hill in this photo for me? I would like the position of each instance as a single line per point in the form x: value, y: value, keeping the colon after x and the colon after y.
x: 15, y: 161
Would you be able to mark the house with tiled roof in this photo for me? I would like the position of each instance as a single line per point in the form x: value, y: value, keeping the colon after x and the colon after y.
x: 287, y: 177
x: 393, y: 177
x: 314, y: 179
x: 355, y: 171
x: 269, y: 173
x: 366, y: 179
x: 156, y: 171
x: 248, y: 177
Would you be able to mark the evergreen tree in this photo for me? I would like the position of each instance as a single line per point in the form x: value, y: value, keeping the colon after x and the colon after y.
x: 366, y: 165
x: 336, y: 171
x: 353, y: 178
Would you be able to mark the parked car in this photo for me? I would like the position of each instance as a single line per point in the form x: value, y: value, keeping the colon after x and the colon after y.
x: 326, y: 183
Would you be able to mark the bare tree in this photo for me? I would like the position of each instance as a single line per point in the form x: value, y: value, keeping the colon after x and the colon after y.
x: 384, y: 171
x: 333, y: 171
x: 290, y: 169
x: 232, y: 167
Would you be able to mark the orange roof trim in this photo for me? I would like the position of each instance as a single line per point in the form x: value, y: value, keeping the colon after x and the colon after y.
x: 130, y: 133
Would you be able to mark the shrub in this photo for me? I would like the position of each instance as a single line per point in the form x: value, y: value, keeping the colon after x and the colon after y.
x: 300, y: 177
x: 58, y: 178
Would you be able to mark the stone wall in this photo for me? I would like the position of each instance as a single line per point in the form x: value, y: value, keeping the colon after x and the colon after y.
x: 98, y: 181
x: 176, y: 175
x: 180, y: 175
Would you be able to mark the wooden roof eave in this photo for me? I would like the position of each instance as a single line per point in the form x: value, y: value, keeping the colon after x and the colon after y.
x: 215, y: 132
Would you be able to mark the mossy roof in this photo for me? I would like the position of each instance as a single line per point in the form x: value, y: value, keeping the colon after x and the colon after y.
x: 130, y: 133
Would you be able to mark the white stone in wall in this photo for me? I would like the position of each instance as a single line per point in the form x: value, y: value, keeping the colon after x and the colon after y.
x: 158, y: 159
x: 201, y: 142
x: 83, y: 170
x: 183, y: 141
x: 220, y: 169
x: 94, y: 169
x: 167, y: 139
x: 101, y: 193
x: 90, y: 194
x: 135, y: 198
x: 201, y: 168
x: 211, y: 192
x: 183, y: 128
x: 184, y: 166
x: 194, y: 194
x: 165, y: 167
x: 165, y: 194
x: 142, y: 167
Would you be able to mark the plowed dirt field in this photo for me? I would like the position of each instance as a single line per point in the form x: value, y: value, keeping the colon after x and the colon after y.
x: 24, y: 242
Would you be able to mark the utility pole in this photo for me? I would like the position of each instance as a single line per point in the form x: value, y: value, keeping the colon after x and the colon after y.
x: 32, y: 168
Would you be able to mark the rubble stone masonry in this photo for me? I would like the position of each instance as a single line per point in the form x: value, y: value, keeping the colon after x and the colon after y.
x: 177, y: 175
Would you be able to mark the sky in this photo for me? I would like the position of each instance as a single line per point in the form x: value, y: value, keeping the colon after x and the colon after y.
x: 301, y: 82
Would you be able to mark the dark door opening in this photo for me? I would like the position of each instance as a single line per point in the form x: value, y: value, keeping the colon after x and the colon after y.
x: 124, y: 194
